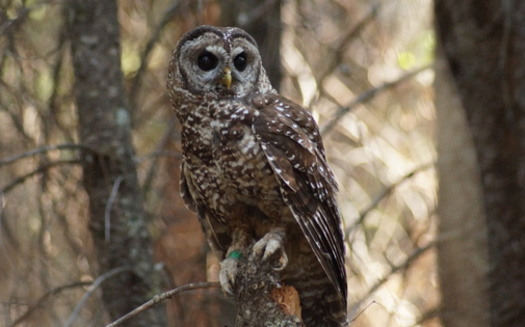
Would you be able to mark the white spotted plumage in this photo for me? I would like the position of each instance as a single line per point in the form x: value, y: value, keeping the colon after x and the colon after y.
x: 253, y: 163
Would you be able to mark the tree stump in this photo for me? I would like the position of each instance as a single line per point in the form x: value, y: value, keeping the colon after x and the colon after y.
x: 262, y: 299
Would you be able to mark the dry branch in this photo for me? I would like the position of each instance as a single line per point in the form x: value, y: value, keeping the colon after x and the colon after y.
x: 159, y: 150
x: 383, y: 194
x: 39, y: 170
x: 404, y: 265
x: 44, y: 298
x: 367, y: 96
x: 162, y: 297
x: 262, y: 300
x: 337, y: 56
x: 101, y: 279
x: 42, y: 150
x: 170, y: 12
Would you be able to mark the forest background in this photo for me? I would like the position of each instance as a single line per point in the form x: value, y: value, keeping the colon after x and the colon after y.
x: 91, y: 221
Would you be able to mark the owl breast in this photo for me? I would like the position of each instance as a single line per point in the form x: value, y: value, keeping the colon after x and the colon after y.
x: 228, y: 167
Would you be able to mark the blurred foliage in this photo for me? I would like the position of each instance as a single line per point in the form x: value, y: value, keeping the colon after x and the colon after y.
x: 340, y: 58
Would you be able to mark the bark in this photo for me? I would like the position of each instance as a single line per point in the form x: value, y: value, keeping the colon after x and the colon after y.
x: 484, y: 43
x: 462, y: 246
x: 262, y: 20
x: 262, y: 300
x: 117, y: 218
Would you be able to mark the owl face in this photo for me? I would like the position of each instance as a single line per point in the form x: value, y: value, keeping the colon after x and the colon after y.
x: 224, y: 62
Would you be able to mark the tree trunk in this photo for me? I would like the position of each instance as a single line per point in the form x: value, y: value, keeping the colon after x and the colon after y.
x: 462, y: 246
x: 261, y: 299
x: 117, y: 218
x: 484, y: 44
x: 262, y: 20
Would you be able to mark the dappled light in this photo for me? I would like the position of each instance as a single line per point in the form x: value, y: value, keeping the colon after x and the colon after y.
x: 363, y: 69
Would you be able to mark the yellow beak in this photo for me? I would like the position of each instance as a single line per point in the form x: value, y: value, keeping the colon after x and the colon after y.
x: 227, y: 78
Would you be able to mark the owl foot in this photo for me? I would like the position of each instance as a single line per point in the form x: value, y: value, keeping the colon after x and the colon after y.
x: 269, y: 246
x: 227, y: 274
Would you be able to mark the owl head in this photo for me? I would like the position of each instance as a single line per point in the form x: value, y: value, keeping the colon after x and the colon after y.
x: 217, y: 63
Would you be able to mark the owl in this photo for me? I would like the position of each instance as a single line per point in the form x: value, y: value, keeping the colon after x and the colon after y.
x: 255, y: 171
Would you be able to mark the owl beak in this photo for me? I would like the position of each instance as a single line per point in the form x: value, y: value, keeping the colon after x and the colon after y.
x: 227, y: 78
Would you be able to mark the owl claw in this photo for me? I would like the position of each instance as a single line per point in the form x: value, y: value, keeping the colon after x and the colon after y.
x: 227, y: 275
x: 269, y: 245
x: 269, y: 248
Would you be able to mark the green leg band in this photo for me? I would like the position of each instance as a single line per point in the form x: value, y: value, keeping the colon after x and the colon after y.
x: 236, y: 254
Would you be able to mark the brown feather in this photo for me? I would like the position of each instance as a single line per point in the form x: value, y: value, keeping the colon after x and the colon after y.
x: 253, y: 162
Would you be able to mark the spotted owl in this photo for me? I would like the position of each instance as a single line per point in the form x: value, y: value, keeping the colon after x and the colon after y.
x: 255, y: 171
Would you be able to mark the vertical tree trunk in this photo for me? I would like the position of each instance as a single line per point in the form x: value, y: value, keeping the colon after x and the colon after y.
x: 262, y: 20
x: 484, y: 44
x: 117, y: 218
x: 462, y: 246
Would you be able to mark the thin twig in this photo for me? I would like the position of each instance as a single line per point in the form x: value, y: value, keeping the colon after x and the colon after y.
x: 362, y: 311
x: 353, y: 33
x: 39, y: 170
x: 367, y: 96
x: 162, y: 297
x: 157, y: 153
x: 100, y: 279
x: 109, y: 204
x: 383, y: 194
x: 42, y: 150
x: 40, y: 302
x: 54, y: 102
x: 404, y: 265
x: 171, y: 11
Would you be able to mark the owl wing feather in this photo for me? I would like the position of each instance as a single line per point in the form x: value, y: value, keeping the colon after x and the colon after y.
x: 185, y: 190
x: 290, y: 139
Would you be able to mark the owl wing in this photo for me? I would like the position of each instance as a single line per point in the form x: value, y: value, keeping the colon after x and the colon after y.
x: 185, y: 189
x: 292, y: 144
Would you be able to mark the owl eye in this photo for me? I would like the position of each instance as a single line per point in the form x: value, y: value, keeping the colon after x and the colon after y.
x: 240, y: 61
x: 207, y: 61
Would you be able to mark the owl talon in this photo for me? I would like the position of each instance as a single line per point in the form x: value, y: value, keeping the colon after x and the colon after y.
x: 268, y: 246
x: 249, y: 152
x: 227, y: 275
